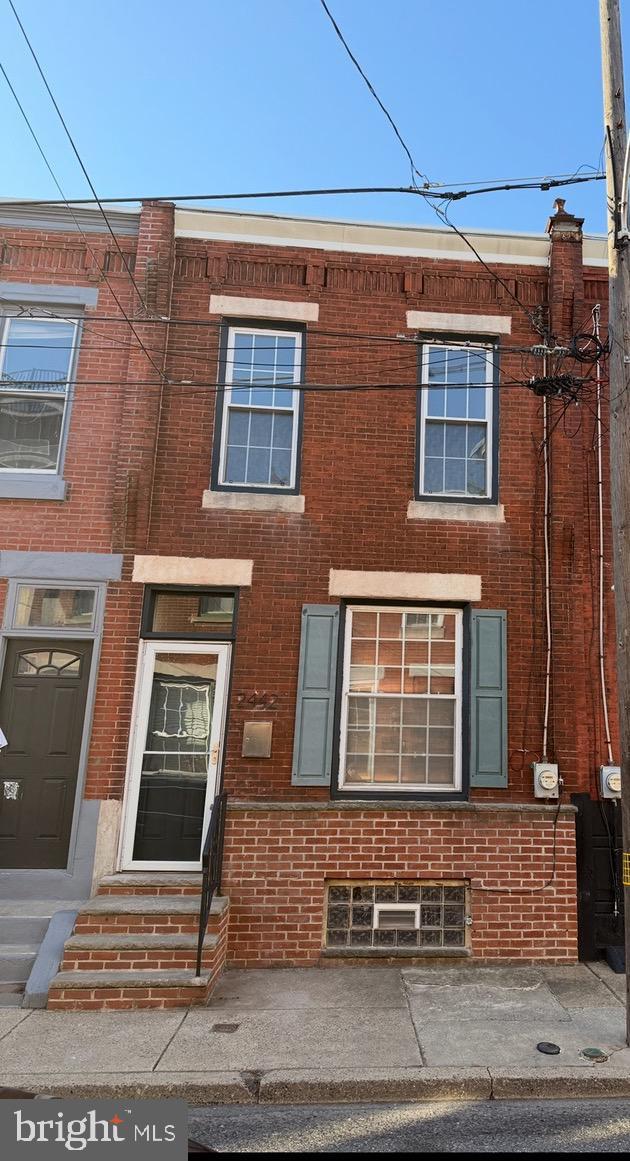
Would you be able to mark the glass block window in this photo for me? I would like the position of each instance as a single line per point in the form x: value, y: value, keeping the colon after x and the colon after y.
x: 456, y: 402
x: 401, y: 702
x: 36, y: 359
x: 260, y: 409
x: 409, y: 916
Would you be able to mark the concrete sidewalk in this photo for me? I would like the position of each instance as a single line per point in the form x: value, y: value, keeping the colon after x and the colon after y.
x: 339, y: 1034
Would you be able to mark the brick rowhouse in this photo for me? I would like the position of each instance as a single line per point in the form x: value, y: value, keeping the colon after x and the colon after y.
x: 138, y: 490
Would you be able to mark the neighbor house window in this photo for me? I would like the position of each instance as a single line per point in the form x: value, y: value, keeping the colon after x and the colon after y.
x: 36, y: 358
x: 457, y: 422
x: 260, y: 410
x: 63, y: 608
x: 401, y: 701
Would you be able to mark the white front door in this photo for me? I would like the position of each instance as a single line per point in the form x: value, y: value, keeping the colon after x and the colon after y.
x: 174, y: 754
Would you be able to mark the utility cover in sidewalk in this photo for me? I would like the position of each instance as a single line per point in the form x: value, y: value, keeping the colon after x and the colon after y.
x: 548, y: 1048
x: 594, y: 1054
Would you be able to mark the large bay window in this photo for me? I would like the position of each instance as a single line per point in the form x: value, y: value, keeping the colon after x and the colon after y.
x: 402, y: 699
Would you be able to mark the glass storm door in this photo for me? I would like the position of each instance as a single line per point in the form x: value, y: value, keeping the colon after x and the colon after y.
x: 175, y: 753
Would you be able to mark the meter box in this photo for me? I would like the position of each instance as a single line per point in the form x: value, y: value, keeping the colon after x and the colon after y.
x: 546, y: 779
x: 610, y: 781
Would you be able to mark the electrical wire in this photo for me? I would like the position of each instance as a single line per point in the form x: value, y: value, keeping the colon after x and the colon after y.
x: 546, y: 519
x: 85, y: 239
x: 440, y: 211
x: 600, y: 529
x: 78, y: 156
x: 436, y: 191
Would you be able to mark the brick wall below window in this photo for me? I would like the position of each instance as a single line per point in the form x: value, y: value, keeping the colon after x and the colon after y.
x: 278, y: 859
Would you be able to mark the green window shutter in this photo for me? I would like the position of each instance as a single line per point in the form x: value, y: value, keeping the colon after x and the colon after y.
x: 488, y: 699
x: 312, y: 749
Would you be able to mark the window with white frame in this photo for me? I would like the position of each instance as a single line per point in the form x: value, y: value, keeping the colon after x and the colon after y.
x: 36, y: 359
x: 260, y: 409
x: 401, y: 699
x: 457, y: 421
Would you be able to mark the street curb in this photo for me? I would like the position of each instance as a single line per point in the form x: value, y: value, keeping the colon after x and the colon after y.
x: 334, y: 1086
x: 594, y: 1081
x: 197, y: 1088
x: 341, y: 1085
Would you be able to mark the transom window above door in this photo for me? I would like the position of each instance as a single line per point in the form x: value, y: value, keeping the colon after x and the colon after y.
x: 189, y: 613
x: 401, y: 700
x: 259, y: 410
x: 36, y: 360
x: 457, y: 422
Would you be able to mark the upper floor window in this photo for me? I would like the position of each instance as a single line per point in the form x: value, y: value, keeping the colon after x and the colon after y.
x: 259, y: 410
x: 36, y: 357
x: 458, y: 422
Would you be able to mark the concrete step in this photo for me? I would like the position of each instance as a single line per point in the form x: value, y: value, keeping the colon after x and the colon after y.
x: 24, y: 921
x: 11, y: 995
x: 136, y: 942
x: 135, y: 979
x: 160, y: 914
x: 81, y: 990
x: 16, y: 961
x: 150, y: 905
x: 151, y: 883
x: 137, y: 952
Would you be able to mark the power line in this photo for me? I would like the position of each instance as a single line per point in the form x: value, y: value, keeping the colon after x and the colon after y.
x: 78, y: 155
x: 436, y: 192
x: 329, y: 388
x: 414, y: 169
x: 358, y: 336
x: 76, y: 222
x: 441, y: 212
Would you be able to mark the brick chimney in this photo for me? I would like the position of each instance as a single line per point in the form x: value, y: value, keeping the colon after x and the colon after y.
x: 566, y: 279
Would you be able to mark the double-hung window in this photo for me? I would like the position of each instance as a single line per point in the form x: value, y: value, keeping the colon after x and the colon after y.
x: 259, y: 410
x: 458, y: 422
x: 36, y: 361
x: 401, y: 719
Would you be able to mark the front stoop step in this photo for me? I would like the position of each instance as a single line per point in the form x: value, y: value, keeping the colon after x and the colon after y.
x: 128, y: 989
x: 140, y: 951
x: 151, y: 883
x: 136, y: 942
x: 150, y: 904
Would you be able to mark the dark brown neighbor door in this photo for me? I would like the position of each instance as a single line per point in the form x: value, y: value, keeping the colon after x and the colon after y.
x: 42, y: 707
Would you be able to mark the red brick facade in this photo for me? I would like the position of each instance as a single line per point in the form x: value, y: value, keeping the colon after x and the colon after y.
x: 138, y: 461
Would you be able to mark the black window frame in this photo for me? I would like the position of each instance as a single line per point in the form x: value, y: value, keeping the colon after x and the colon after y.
x: 399, y: 795
x: 443, y: 338
x: 148, y: 609
x: 255, y: 324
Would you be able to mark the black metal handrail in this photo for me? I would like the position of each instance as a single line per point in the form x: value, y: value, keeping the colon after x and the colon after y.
x: 211, y: 866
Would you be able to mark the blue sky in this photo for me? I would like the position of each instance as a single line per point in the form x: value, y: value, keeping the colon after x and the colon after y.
x: 218, y: 95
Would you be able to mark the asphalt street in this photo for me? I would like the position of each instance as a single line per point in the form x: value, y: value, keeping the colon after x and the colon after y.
x: 550, y: 1126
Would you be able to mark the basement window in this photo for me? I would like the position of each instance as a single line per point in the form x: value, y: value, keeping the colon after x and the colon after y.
x: 396, y: 916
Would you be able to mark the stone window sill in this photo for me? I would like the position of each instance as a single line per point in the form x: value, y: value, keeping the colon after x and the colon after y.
x: 252, y: 502
x: 396, y: 952
x: 466, y: 513
x: 31, y: 486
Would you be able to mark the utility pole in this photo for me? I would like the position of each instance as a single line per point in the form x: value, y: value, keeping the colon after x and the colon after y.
x: 619, y: 363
